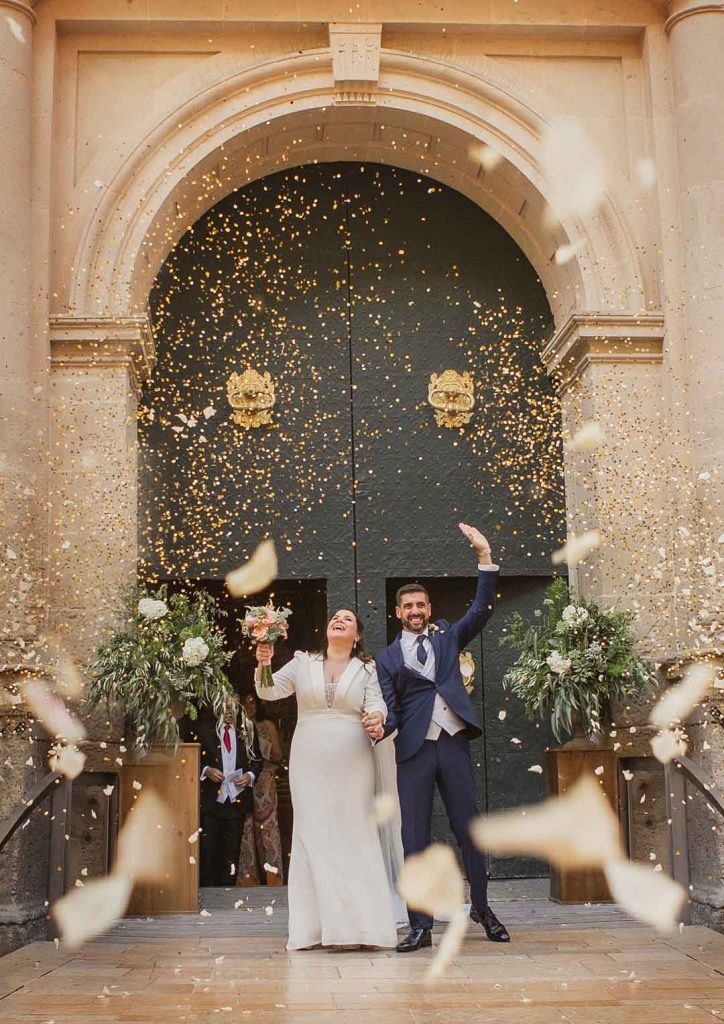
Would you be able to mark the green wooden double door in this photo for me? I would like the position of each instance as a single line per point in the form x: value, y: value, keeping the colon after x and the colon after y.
x: 351, y: 285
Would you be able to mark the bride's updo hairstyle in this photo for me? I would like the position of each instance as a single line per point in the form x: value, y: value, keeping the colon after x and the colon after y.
x: 358, y: 650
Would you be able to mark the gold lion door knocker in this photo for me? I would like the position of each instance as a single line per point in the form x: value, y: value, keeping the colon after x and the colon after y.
x: 251, y: 395
x: 452, y: 396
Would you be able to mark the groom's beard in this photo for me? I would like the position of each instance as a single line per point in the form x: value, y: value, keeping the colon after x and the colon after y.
x: 416, y: 626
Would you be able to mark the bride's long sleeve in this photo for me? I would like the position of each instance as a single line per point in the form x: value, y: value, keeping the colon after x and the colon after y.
x: 373, y: 699
x: 285, y: 680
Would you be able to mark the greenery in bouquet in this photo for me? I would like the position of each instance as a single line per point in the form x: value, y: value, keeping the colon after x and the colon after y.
x: 574, y: 660
x: 166, y: 662
x: 265, y: 624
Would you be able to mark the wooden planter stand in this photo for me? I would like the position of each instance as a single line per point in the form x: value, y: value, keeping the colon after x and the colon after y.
x: 565, y: 766
x: 175, y: 777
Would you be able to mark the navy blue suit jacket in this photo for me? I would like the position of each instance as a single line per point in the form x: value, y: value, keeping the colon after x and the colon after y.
x: 410, y: 696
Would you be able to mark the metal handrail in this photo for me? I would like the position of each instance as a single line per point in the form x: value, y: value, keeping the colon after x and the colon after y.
x: 61, y: 795
x: 19, y: 815
x: 676, y: 774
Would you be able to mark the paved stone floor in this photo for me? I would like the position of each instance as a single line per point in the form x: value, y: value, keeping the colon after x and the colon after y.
x: 575, y: 965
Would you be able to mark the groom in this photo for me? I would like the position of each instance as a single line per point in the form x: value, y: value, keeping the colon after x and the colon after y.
x: 435, y: 720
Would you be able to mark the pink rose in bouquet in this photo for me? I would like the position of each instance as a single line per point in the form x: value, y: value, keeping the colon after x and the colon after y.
x: 265, y: 624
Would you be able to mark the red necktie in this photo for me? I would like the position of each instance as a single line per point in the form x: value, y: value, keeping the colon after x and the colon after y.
x: 227, y: 739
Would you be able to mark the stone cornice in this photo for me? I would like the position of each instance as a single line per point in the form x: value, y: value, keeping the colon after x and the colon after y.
x: 82, y: 342
x: 679, y: 11
x: 22, y: 8
x: 589, y: 338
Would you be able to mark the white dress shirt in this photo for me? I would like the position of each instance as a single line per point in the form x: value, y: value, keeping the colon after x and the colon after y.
x: 228, y: 790
x: 443, y: 717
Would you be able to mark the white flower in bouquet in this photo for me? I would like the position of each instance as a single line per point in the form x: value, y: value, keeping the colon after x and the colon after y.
x: 151, y: 609
x: 558, y: 664
x: 574, y: 616
x: 194, y: 651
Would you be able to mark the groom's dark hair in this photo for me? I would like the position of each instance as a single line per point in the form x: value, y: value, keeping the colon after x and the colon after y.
x: 411, y: 588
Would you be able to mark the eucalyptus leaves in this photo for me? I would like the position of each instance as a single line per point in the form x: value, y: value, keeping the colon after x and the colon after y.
x: 573, y: 660
x: 165, y: 663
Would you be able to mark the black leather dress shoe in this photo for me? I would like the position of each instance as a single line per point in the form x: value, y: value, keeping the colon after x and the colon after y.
x: 493, y: 928
x: 419, y: 938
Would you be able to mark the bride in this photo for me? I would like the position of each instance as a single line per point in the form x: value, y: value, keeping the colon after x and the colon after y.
x: 339, y: 893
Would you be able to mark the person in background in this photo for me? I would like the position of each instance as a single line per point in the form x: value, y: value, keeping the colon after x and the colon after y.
x: 230, y: 764
x: 261, y: 844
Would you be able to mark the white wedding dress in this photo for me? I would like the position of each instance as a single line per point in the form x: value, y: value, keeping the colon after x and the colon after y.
x: 338, y: 885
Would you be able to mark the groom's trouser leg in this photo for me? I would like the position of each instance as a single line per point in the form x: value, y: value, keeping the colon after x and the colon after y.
x: 416, y: 788
x: 458, y: 789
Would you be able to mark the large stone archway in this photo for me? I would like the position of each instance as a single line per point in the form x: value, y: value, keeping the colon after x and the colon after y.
x: 231, y: 123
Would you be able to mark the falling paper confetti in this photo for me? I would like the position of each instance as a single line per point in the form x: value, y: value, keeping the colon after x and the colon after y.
x: 431, y: 881
x: 384, y: 808
x: 86, y: 912
x: 69, y: 761
x: 591, y: 435
x: 679, y: 700
x: 576, y: 549
x: 668, y: 744
x: 576, y: 830
x: 646, y: 172
x: 49, y: 709
x: 449, y: 946
x: 565, y: 253
x: 258, y: 573
x: 144, y: 844
x: 16, y: 28
x: 576, y: 172
x: 651, y: 897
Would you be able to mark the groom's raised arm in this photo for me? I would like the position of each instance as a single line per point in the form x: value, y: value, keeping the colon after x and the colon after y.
x: 389, y: 692
x: 483, y: 604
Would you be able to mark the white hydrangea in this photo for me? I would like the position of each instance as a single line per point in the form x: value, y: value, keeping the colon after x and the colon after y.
x: 574, y: 616
x: 150, y: 608
x: 558, y: 664
x: 194, y: 651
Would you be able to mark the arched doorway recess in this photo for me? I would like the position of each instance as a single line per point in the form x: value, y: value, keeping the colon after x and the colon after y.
x: 351, y: 285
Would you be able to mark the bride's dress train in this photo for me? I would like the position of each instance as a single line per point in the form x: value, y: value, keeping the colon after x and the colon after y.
x: 338, y: 885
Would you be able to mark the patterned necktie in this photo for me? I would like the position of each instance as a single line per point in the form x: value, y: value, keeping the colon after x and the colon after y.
x: 227, y: 738
x: 421, y: 652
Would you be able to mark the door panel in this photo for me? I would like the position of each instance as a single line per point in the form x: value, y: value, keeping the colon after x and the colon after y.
x: 260, y: 281
x: 510, y: 782
x: 436, y: 284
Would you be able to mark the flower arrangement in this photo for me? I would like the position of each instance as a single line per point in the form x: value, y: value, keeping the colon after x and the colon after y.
x: 168, y: 660
x: 574, y: 660
x: 265, y: 624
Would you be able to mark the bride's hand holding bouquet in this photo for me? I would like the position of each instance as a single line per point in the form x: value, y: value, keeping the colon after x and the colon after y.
x: 264, y: 625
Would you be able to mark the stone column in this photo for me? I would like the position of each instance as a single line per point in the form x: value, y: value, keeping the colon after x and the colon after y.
x: 98, y: 365
x: 608, y: 370
x: 696, y: 38
x: 23, y: 867
x: 20, y: 403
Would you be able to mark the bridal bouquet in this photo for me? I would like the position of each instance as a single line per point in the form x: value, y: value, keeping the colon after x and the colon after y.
x: 265, y: 624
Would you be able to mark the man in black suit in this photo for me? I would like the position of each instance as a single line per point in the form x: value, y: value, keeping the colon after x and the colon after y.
x: 230, y: 763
